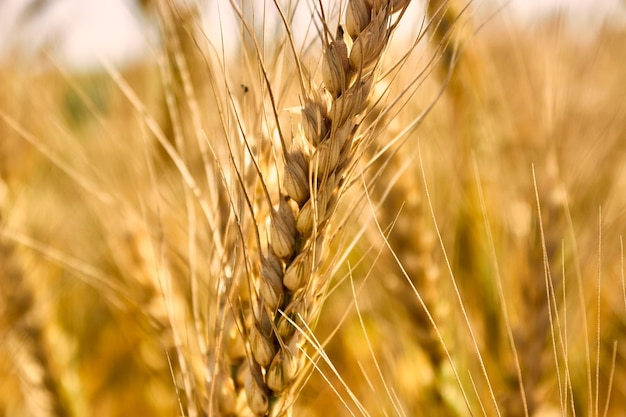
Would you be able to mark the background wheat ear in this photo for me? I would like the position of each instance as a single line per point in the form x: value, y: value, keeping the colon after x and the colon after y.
x: 24, y: 334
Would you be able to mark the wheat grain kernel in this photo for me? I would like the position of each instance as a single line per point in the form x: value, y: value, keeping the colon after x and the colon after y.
x: 336, y: 66
x: 262, y: 347
x: 357, y: 17
x: 282, y: 371
x: 283, y: 230
x: 298, y: 273
x: 271, y: 283
x: 296, y: 178
x: 255, y: 393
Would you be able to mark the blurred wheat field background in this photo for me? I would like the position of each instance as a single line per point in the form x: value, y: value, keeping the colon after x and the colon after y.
x: 464, y: 257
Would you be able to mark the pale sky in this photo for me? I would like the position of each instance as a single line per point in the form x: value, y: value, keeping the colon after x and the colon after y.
x: 81, y: 31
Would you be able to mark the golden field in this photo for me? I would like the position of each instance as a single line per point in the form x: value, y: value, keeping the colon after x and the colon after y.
x: 469, y: 259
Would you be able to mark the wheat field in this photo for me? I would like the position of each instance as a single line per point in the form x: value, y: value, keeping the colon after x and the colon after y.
x: 385, y: 208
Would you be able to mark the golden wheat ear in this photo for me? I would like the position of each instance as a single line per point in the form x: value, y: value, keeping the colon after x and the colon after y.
x: 286, y: 283
x: 24, y: 335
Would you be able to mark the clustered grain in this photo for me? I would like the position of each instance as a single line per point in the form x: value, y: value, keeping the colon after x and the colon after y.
x: 316, y: 164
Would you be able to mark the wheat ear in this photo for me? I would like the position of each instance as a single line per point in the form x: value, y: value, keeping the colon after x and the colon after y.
x: 315, y: 172
x: 25, y: 338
